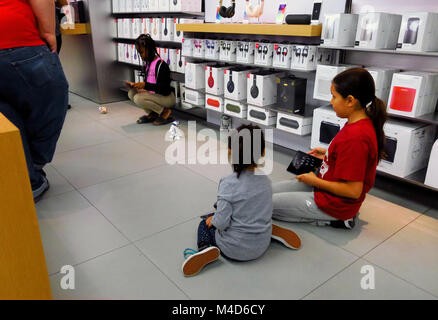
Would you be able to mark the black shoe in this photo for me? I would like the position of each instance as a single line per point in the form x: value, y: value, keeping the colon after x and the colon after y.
x: 148, y: 118
x: 161, y: 121
x: 69, y: 107
x: 40, y: 190
x: 347, y: 224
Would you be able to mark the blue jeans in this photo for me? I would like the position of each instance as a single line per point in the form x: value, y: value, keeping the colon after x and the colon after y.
x: 206, y: 236
x: 34, y: 97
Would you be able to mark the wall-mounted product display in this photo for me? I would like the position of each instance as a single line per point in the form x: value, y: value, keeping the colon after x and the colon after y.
x: 245, y: 52
x: 295, y: 124
x: 304, y: 57
x: 323, y: 80
x: 186, y: 5
x: 214, y: 79
x: 237, y: 109
x: 156, y: 26
x: 418, y: 32
x: 339, y: 29
x: 215, y: 103
x: 167, y: 29
x: 382, y: 80
x: 195, y: 75
x: 235, y: 82
x: 187, y: 47
x: 326, y: 125
x: 264, y: 54
x: 413, y: 93
x: 177, y: 35
x: 282, y: 55
x: 227, y: 50
x: 327, y: 56
x: 212, y: 49
x: 432, y: 168
x: 261, y: 115
x: 376, y: 30
x: 180, y: 62
x: 199, y: 48
x: 262, y: 88
x: 407, y: 147
x: 193, y: 97
x: 291, y: 94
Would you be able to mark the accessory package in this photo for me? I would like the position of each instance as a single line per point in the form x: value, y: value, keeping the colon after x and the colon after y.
x: 195, y: 98
x: 261, y: 115
x: 237, y: 109
x: 303, y: 163
x: 339, y: 29
x: 227, y: 51
x: 291, y: 94
x: 245, y: 52
x: 177, y: 35
x: 214, y: 103
x: 295, y: 124
x: 168, y: 29
x: 212, y: 49
x: 264, y: 54
x: 282, y: 55
x: 304, y: 57
x: 199, y: 48
x: 145, y: 25
x: 326, y: 125
x: 418, y: 32
x: 188, y: 47
x: 378, y: 30
x: 180, y: 61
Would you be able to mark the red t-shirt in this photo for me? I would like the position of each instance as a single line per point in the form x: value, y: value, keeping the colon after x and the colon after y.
x: 18, y: 25
x: 352, y: 156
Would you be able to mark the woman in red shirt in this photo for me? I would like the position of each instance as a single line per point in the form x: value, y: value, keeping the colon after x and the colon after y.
x: 335, y: 196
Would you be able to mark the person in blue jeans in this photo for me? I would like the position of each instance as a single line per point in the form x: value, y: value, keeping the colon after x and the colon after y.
x: 33, y: 87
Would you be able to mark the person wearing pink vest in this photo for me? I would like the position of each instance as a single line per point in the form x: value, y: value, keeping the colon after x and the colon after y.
x: 155, y: 95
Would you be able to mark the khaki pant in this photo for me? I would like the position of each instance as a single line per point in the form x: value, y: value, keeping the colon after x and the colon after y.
x: 151, y: 101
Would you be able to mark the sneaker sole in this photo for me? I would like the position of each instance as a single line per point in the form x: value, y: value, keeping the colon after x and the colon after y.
x: 287, y: 237
x: 198, y: 261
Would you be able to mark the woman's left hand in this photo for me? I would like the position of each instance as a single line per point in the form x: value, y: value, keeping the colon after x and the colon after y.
x: 139, y: 85
x: 309, y: 178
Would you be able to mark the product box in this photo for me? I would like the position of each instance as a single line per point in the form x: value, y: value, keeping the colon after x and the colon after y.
x: 120, y: 28
x: 295, y: 124
x: 195, y: 98
x: 173, y: 60
x: 418, y: 32
x: 432, y: 168
x: 215, y: 103
x: 184, y: 104
x: 323, y: 80
x: 237, y: 109
x: 180, y: 62
x: 199, y: 48
x: 121, y: 52
x: 264, y: 54
x: 245, y: 52
x: 164, y: 5
x: 227, y: 51
x: 127, y: 28
x: 144, y: 5
x: 137, y: 6
x: 382, y: 80
x: 212, y: 49
x: 262, y: 88
x: 136, y: 58
x: 339, y: 29
x: 156, y: 28
x: 167, y: 29
x: 138, y: 76
x: 214, y: 79
x: 187, y: 47
x: 407, y: 147
x: 129, y: 6
x: 291, y: 95
x: 326, y: 125
x: 261, y: 115
x: 136, y: 29
x: 122, y: 6
x: 304, y: 57
x: 327, y: 56
x: 376, y: 30
x: 236, y: 82
x: 175, y: 87
x: 413, y: 93
x: 145, y: 25
x: 153, y: 5
x: 186, y: 5
x: 282, y: 55
x: 177, y: 35
x: 195, y: 75
x: 115, y: 6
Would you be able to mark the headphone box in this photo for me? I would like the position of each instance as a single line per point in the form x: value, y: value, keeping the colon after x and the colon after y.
x: 145, y: 25
x: 261, y: 115
x: 227, y: 51
x: 129, y: 6
x: 180, y: 62
x: 407, y: 147
x: 153, y: 6
x: 136, y: 29
x: 282, y: 55
x: 326, y: 125
x: 156, y: 29
x: 382, y: 80
x: 212, y: 49
x: 164, y: 5
x: 121, y: 52
x: 144, y: 6
x: 187, y: 47
x: 127, y: 28
x: 234, y: 108
x: 339, y: 29
x: 376, y: 30
x: 195, y: 98
x: 295, y: 124
x: 418, y: 32
x: 128, y: 53
x: 186, y: 5
x: 199, y: 48
x: 115, y: 6
x: 432, y: 168
x: 264, y: 54
x: 215, y: 103
x: 172, y: 57
x: 262, y: 88
x: 120, y: 32
x: 136, y: 58
x: 291, y: 95
x: 235, y: 82
x: 323, y: 80
x: 167, y: 29
x: 137, y: 5
x: 214, y: 79
x: 195, y: 75
x: 304, y: 57
x: 245, y: 52
x: 177, y: 35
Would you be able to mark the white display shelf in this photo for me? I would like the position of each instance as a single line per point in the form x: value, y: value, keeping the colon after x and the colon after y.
x: 387, y: 51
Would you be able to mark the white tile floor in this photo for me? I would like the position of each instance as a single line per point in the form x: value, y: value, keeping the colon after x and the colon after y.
x: 122, y: 216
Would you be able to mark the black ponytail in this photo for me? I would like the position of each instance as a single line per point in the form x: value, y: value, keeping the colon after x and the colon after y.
x: 359, y: 83
x: 146, y: 41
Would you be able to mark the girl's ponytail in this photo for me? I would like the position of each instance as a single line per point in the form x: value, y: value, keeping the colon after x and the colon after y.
x: 376, y: 111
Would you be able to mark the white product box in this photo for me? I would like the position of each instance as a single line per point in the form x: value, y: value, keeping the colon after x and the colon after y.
x: 122, y: 6
x: 283, y: 55
x: 199, y: 48
x: 326, y: 125
x: 339, y: 29
x: 145, y: 25
x: 323, y: 80
x: 214, y: 80
x: 164, y: 5
x: 127, y: 28
x: 186, y: 5
x: 236, y: 82
x: 156, y: 29
x: 327, y: 56
x: 382, y: 79
x: 212, y: 49
x: 116, y: 6
x: 262, y: 88
x: 418, y: 32
x: 245, y: 52
x: 165, y: 55
x: 194, y: 97
x: 153, y: 5
x: 304, y: 57
x: 264, y: 54
x: 167, y: 29
x: 120, y: 28
x: 136, y: 30
x: 187, y: 47
x: 184, y: 104
x: 195, y: 75
x: 177, y: 35
x: 129, y: 6
x: 376, y: 30
x: 407, y: 147
x: 432, y: 168
x: 137, y: 5
x: 132, y: 28
x: 413, y: 93
x: 227, y: 51
x: 180, y: 62
x: 294, y: 123
x: 131, y: 53
x: 261, y: 115
x: 173, y: 60
x: 138, y: 76
x: 135, y: 57
x: 237, y: 109
x: 144, y: 6
x: 215, y: 103
x: 121, y: 52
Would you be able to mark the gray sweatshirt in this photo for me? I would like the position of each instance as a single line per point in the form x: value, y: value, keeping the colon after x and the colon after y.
x: 243, y: 218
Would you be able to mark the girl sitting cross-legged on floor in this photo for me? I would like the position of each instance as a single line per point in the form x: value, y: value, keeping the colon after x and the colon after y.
x: 241, y: 229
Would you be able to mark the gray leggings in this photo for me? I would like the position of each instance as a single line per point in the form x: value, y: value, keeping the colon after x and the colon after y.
x: 294, y: 202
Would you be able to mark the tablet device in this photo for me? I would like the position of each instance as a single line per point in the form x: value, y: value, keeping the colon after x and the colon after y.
x: 304, y: 163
